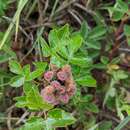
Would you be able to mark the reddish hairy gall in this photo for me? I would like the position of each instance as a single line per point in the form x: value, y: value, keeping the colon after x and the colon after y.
x: 62, y: 88
x: 64, y: 98
x: 48, y: 75
x: 55, y: 84
x: 61, y: 75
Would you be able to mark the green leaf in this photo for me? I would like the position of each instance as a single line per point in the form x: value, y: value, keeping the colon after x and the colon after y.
x: 40, y: 65
x: 111, y: 91
x: 128, y: 40
x: 84, y: 30
x: 58, y: 37
x: 115, y: 60
x: 3, y: 6
x: 17, y: 81
x: 117, y: 12
x: 26, y: 71
x: 63, y: 32
x: 126, y: 108
x: 123, y: 123
x: 99, y: 66
x: 15, y: 67
x: 5, y: 74
x: 34, y: 123
x: 87, y: 80
x: 55, y: 113
x: 28, y: 87
x: 93, y: 44
x: 111, y: 103
x: 35, y: 74
x: 120, y: 74
x: 94, y: 127
x: 92, y: 107
x: 63, y: 51
x: 57, y: 61
x: 75, y: 44
x: 127, y: 30
x: 48, y: 124
x: 7, y: 50
x: 97, y: 32
x: 104, y: 60
x: 60, y: 118
x: 53, y: 39
x: 123, y: 6
x: 119, y: 108
x: 5, y: 57
x: 81, y: 61
x: 21, y: 101
x: 46, y: 50
x: 117, y: 15
x: 1, y: 117
x: 105, y: 125
x: 87, y: 98
x: 40, y: 68
x: 34, y: 99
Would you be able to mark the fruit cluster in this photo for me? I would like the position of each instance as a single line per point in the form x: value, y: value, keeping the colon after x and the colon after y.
x: 61, y: 86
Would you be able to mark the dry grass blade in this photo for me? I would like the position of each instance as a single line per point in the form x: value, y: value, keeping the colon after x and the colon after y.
x: 21, y: 119
x: 16, y: 17
x: 65, y: 5
x: 75, y: 16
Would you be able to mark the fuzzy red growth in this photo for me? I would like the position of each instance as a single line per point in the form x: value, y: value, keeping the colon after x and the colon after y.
x: 69, y: 83
x: 64, y: 98
x: 67, y: 70
x: 48, y: 75
x: 61, y: 75
x: 49, y: 89
x: 58, y: 87
x: 54, y: 68
x: 48, y: 96
x: 56, y: 93
x: 55, y: 84
x: 71, y: 90
x: 62, y: 90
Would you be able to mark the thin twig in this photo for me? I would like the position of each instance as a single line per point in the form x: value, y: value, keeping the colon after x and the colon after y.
x: 75, y: 16
x: 65, y: 5
x: 29, y: 51
x: 31, y: 9
x: 84, y: 9
x: 124, y: 49
x: 20, y: 27
x: 46, y: 24
x: 66, y: 128
x: 40, y: 114
x: 22, y: 118
x: 40, y: 20
x: 11, y: 118
x: 53, y: 9
x: 88, y: 3
x: 10, y: 108
x: 45, y: 7
x: 9, y: 121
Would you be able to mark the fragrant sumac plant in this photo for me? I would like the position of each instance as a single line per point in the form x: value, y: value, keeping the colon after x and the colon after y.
x: 57, y: 86
x: 59, y: 82
x: 48, y: 85
x: 65, y: 85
